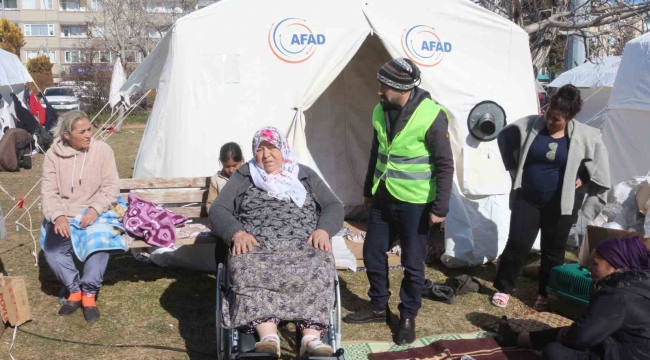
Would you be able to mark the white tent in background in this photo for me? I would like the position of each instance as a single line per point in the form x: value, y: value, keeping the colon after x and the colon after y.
x: 309, y: 68
x: 13, y: 77
x: 118, y: 78
x: 626, y: 126
x: 595, y: 80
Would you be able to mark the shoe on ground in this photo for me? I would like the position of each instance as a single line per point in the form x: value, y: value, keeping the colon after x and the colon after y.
x: 406, y: 331
x: 366, y: 316
x: 91, y: 314
x: 69, y: 307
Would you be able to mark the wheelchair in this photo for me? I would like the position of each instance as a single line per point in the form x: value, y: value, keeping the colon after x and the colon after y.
x: 233, y: 345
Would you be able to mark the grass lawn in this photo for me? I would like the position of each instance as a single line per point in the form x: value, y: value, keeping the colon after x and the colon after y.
x: 145, y: 304
x: 136, y: 117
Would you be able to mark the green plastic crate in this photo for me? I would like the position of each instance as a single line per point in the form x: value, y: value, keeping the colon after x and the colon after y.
x: 572, y: 281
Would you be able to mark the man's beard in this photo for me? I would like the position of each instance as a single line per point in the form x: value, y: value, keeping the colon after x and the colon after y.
x: 387, y: 105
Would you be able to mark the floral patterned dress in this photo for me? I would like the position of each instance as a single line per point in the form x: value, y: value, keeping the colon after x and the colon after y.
x: 285, y: 278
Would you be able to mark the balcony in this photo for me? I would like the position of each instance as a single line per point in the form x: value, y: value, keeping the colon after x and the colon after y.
x: 81, y: 5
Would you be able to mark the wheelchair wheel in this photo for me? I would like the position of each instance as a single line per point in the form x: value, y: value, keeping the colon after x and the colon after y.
x: 223, y: 335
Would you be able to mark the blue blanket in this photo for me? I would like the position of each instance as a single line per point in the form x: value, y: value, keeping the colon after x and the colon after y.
x: 105, y: 234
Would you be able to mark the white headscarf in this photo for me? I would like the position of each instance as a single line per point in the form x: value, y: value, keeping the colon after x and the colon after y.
x: 285, y: 185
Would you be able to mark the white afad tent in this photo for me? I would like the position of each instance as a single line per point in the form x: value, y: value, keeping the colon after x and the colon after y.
x: 13, y: 77
x: 626, y: 128
x: 309, y: 68
x: 595, y: 80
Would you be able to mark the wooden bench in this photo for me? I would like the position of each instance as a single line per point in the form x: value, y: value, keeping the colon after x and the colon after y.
x: 183, y: 196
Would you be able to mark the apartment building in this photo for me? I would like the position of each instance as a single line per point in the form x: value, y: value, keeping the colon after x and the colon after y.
x: 58, y: 29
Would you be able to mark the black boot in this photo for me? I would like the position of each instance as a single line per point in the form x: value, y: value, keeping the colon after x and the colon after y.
x: 507, y: 337
x: 91, y: 314
x: 406, y: 331
x: 69, y: 307
x: 367, y: 315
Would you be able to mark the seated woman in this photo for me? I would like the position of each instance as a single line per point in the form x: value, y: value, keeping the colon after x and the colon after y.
x: 277, y: 218
x: 616, y: 324
x: 79, y: 173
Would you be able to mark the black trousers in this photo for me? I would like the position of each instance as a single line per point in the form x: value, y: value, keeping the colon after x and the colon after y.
x: 546, y: 340
x: 526, y: 220
x: 389, y: 218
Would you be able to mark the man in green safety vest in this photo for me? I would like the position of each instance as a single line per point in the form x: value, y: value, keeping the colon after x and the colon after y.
x: 407, y: 190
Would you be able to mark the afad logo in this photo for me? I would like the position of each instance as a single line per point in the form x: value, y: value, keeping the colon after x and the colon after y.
x: 293, y: 41
x: 422, y: 45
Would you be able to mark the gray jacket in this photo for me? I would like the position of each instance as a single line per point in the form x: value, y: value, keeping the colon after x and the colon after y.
x: 587, y: 153
x: 224, y: 211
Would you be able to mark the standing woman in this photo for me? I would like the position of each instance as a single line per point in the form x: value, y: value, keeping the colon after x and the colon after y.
x: 549, y: 156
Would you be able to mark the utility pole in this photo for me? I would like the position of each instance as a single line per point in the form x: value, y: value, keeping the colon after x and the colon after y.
x: 575, y: 53
x: 3, y: 8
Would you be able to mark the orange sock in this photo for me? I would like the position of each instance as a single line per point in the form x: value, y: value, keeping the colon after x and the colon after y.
x: 75, y: 296
x: 88, y: 300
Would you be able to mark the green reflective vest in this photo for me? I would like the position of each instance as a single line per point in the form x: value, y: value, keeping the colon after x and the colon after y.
x: 406, y: 164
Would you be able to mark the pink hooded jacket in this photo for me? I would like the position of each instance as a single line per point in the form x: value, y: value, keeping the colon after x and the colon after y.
x: 74, y: 180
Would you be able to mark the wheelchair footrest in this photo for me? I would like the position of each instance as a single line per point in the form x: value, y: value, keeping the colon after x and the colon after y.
x: 258, y: 356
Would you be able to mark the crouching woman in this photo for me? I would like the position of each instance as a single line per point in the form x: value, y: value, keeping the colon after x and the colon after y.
x: 616, y: 324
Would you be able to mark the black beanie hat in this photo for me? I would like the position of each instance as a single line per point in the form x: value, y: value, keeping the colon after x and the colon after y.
x: 399, y: 74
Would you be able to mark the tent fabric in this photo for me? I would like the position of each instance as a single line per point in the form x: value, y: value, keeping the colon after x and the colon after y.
x: 309, y: 68
x: 625, y: 124
x: 118, y: 78
x: 600, y: 72
x: 632, y: 86
x: 7, y: 108
x: 12, y: 71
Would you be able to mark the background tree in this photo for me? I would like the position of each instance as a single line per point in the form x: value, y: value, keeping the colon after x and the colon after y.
x: 11, y: 38
x: 605, y: 23
x: 40, y: 69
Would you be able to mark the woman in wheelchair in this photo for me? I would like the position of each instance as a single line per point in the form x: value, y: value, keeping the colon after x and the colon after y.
x: 277, y: 218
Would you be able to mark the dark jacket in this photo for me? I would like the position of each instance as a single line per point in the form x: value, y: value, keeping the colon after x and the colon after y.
x: 437, y: 141
x: 25, y: 119
x: 225, y: 209
x: 617, y: 322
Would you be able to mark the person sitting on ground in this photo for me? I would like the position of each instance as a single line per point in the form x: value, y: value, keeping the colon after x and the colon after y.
x: 79, y: 173
x: 277, y: 217
x: 616, y: 324
x: 231, y: 159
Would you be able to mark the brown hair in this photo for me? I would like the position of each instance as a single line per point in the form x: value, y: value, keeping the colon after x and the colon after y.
x: 566, y: 100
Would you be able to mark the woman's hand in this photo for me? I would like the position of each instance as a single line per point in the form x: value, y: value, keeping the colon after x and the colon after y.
x: 89, y: 218
x: 62, y: 226
x: 321, y: 240
x: 579, y: 183
x: 243, y: 242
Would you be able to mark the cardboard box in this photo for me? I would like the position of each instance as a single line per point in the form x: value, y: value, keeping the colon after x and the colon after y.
x: 14, y: 306
x: 357, y: 248
x: 643, y: 197
x: 596, y: 234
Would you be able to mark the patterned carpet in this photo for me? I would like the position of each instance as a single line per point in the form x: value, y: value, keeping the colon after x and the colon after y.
x: 532, y: 322
x: 360, y: 350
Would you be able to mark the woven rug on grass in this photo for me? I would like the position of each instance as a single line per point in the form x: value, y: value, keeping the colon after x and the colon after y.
x: 533, y: 321
x: 477, y: 349
x: 360, y: 350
